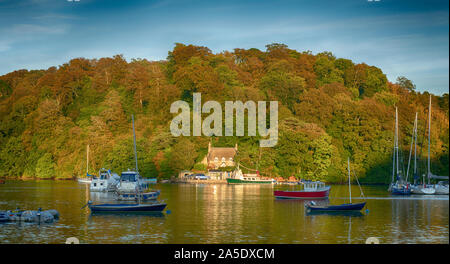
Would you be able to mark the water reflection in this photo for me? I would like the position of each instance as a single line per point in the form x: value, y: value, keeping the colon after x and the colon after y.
x: 223, y: 213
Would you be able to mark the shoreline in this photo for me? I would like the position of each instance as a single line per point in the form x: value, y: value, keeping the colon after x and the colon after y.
x: 178, y: 181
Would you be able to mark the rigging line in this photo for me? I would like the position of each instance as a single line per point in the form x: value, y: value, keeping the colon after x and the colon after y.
x: 420, y: 140
x: 261, y: 172
x: 411, y: 148
x: 359, y: 185
x: 424, y: 138
x: 240, y: 164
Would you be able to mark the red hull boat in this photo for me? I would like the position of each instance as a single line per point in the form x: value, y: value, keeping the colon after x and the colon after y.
x: 311, y: 191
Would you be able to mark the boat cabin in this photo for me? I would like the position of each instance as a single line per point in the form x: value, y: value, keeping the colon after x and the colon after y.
x: 312, y: 186
x: 103, y: 174
x: 129, y: 176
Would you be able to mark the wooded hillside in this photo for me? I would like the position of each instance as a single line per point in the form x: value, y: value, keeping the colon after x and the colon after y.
x: 329, y: 108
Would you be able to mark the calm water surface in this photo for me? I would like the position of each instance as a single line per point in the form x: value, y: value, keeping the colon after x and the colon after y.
x: 223, y: 214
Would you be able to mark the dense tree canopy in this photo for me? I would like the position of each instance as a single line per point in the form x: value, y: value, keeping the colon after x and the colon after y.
x: 329, y: 109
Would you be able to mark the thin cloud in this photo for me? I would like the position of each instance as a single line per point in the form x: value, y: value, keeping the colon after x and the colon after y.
x: 56, y: 17
x: 37, y: 29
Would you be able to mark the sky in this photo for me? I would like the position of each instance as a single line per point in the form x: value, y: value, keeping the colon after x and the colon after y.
x: 403, y: 38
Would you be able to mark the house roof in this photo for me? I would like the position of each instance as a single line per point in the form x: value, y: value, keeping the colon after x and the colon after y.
x: 221, y: 153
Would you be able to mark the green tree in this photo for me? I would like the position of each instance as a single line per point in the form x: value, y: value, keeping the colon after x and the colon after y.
x: 183, y: 155
x: 405, y: 83
x: 12, y: 158
x: 284, y: 86
x: 327, y: 72
x: 45, y: 167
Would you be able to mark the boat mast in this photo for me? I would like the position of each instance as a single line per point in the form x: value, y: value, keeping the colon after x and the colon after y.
x: 429, y: 139
x: 393, y: 155
x: 87, y: 160
x: 396, y: 139
x: 415, y: 150
x: 349, y: 186
x: 134, y: 141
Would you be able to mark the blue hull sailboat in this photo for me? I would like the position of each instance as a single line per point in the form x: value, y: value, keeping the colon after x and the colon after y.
x: 157, y: 207
x: 340, y: 207
x: 399, y: 186
x: 312, y: 207
x: 400, y: 190
x: 130, y: 207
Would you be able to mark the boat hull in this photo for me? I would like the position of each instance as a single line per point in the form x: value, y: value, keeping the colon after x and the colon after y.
x: 341, y: 207
x: 127, y: 207
x: 441, y: 189
x: 84, y: 180
x: 422, y: 190
x: 401, y: 191
x: 239, y: 181
x: 319, y: 194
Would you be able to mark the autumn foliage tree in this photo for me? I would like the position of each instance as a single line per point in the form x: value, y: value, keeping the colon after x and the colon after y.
x: 329, y: 109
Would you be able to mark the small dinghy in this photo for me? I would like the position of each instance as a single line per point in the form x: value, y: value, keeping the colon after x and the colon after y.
x: 341, y: 207
x: 155, y: 207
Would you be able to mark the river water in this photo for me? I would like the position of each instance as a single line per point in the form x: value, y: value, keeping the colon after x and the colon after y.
x: 222, y: 213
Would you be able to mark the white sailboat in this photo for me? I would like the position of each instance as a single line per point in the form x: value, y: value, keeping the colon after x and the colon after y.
x: 441, y: 187
x: 88, y: 178
x: 417, y: 188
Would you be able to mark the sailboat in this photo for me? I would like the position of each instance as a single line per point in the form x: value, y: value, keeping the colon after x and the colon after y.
x: 130, y: 207
x: 88, y: 178
x: 398, y: 186
x: 417, y: 188
x: 441, y: 187
x: 130, y: 180
x: 341, y: 207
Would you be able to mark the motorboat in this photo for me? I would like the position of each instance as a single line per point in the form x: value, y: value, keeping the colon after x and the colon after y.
x: 105, y: 182
x: 130, y: 181
x: 311, y: 190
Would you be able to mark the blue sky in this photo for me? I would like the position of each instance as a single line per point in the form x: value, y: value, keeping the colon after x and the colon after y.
x: 403, y: 38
